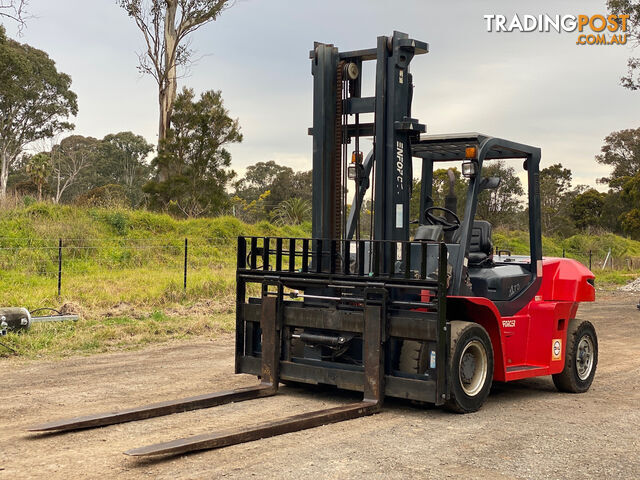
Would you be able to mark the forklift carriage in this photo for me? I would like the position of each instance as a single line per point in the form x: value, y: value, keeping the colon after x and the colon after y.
x: 433, y: 315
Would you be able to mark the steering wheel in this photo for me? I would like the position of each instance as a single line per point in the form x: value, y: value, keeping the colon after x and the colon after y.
x: 433, y: 220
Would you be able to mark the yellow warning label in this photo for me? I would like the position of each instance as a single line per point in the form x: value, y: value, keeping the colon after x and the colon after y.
x: 556, y: 350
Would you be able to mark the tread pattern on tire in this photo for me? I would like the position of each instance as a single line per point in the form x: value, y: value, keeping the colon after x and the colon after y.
x: 410, y: 355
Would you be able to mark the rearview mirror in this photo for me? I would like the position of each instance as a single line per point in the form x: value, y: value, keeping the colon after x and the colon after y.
x: 489, y: 183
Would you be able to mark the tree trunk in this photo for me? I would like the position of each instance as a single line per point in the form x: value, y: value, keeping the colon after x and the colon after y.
x: 6, y: 159
x: 4, y: 174
x: 166, y: 105
x: 169, y: 85
x: 58, y: 192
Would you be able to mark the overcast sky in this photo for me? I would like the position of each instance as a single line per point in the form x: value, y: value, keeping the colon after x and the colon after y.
x: 536, y: 88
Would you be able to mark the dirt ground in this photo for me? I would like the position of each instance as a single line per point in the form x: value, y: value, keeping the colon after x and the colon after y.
x: 525, y: 430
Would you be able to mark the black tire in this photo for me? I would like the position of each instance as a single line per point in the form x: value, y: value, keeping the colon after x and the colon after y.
x: 581, y: 358
x: 414, y: 357
x: 470, y: 367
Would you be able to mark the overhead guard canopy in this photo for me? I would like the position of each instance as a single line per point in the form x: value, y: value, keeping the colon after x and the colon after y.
x: 451, y: 147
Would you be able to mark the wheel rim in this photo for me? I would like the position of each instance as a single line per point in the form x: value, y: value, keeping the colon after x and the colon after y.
x: 472, y: 370
x: 584, y: 357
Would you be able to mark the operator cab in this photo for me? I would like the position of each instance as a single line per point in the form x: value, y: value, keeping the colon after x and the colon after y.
x: 504, y: 279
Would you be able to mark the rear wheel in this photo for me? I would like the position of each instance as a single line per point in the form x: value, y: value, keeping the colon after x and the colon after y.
x: 470, y: 367
x: 581, y: 358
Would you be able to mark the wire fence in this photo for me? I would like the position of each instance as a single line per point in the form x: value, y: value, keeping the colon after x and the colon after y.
x: 93, y: 259
x: 98, y: 260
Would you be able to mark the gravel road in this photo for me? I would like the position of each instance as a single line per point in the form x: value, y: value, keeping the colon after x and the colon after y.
x: 525, y: 430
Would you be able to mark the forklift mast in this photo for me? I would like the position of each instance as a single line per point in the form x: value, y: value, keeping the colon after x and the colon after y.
x: 337, y: 98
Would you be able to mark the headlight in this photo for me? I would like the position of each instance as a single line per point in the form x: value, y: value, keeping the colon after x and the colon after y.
x: 469, y: 169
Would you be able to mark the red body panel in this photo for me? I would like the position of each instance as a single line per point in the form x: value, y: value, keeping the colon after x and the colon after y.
x: 567, y: 280
x: 524, y: 344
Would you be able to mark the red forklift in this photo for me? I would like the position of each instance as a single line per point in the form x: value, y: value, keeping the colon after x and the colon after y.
x: 413, y: 308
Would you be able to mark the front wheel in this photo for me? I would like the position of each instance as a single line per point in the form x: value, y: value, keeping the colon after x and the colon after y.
x: 581, y: 358
x: 470, y: 367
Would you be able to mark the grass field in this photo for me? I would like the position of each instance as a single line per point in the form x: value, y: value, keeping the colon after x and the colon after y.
x: 122, y: 271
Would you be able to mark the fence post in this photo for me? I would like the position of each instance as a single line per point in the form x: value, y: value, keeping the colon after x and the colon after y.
x: 186, y: 249
x: 589, y: 259
x: 563, y: 253
x: 59, y: 265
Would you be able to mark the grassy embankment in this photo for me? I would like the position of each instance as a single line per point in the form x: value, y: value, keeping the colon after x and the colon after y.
x: 123, y: 272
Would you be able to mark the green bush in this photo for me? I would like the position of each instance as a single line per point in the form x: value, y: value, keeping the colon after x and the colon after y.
x: 117, y: 221
x: 107, y: 196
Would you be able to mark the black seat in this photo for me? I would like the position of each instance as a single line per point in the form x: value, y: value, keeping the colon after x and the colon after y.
x: 480, y: 246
